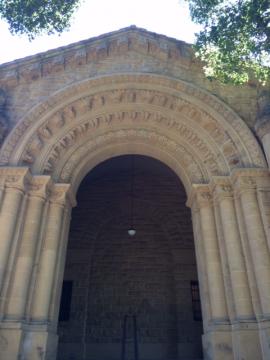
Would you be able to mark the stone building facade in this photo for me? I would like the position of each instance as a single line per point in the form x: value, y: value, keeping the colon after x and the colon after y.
x: 79, y: 115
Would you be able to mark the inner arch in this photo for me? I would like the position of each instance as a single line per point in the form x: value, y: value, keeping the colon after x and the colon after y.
x: 149, y: 275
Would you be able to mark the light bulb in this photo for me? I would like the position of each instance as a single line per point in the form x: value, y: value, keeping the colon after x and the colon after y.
x: 131, y: 232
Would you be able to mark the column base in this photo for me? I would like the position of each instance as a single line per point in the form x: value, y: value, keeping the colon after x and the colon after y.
x: 217, y: 345
x: 246, y: 342
x: 27, y: 342
x: 265, y: 339
x: 10, y: 341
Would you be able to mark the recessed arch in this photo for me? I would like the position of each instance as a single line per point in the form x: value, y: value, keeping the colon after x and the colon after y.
x: 162, y: 114
x: 163, y: 234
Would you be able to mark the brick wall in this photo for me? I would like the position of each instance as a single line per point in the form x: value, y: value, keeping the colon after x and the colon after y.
x: 114, y: 274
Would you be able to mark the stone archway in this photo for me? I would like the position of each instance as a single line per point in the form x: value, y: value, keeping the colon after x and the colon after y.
x: 209, y: 147
x: 112, y: 274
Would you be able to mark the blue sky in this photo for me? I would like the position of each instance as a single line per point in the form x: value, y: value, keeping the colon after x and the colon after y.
x: 96, y: 17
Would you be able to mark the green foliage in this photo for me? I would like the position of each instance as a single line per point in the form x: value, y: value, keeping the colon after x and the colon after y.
x: 235, y: 40
x: 34, y: 17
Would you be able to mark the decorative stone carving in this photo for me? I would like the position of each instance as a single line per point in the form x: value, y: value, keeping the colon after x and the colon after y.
x: 200, y: 196
x: 85, y: 129
x: 175, y: 106
x: 185, y: 158
x: 39, y: 186
x: 221, y: 187
x: 91, y: 51
x: 61, y: 194
x: 16, y: 177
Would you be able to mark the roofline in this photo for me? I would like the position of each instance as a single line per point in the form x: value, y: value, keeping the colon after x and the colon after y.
x: 77, y: 45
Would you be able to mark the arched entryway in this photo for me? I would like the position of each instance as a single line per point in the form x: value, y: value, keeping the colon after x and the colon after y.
x: 109, y: 274
x: 212, y: 151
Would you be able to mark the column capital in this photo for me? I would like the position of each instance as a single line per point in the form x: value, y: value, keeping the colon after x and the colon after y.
x: 62, y: 195
x: 200, y: 196
x: 221, y: 187
x: 250, y: 179
x: 14, y: 177
x: 38, y: 186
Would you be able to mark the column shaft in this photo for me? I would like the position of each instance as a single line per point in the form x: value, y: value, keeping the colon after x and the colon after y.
x: 201, y: 265
x: 8, y: 219
x: 25, y: 260
x: 213, y: 263
x: 258, y: 245
x: 239, y: 281
x: 48, y: 257
x: 59, y: 273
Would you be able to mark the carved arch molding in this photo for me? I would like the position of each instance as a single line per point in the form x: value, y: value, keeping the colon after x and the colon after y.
x: 190, y: 130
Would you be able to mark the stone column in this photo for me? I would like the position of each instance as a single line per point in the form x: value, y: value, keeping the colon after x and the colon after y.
x: 212, y: 256
x: 245, y: 335
x: 49, y: 253
x: 41, y: 333
x: 201, y: 267
x: 218, y: 335
x: 245, y: 185
x: 241, y: 294
x: 59, y: 274
x: 18, y: 295
x: 14, y: 180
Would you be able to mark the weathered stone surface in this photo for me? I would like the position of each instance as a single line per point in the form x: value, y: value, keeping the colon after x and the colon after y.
x: 132, y: 92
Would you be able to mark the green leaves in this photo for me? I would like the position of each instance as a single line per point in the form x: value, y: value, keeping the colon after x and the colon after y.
x: 235, y: 40
x: 34, y: 17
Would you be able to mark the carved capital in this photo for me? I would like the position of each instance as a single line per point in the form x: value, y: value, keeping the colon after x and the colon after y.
x: 39, y: 186
x: 250, y: 179
x: 61, y: 194
x: 221, y: 187
x: 200, y: 196
x: 14, y: 177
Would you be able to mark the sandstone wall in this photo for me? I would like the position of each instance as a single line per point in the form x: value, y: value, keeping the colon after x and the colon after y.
x: 27, y: 82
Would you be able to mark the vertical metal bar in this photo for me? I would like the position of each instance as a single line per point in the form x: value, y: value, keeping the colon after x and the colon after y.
x: 136, y: 349
x: 124, y: 335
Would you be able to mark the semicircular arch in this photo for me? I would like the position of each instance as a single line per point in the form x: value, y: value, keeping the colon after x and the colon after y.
x: 153, y: 115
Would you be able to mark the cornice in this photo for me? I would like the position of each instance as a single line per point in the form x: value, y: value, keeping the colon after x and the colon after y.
x: 95, y: 49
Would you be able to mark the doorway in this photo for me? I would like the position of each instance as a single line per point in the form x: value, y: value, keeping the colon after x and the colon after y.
x: 110, y: 274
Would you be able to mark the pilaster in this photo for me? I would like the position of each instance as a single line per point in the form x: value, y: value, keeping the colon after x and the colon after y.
x: 223, y: 194
x: 246, y: 183
x: 13, y: 182
x: 60, y: 197
x: 37, y: 192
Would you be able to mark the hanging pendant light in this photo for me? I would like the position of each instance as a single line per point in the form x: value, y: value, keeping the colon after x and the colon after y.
x: 132, y: 230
